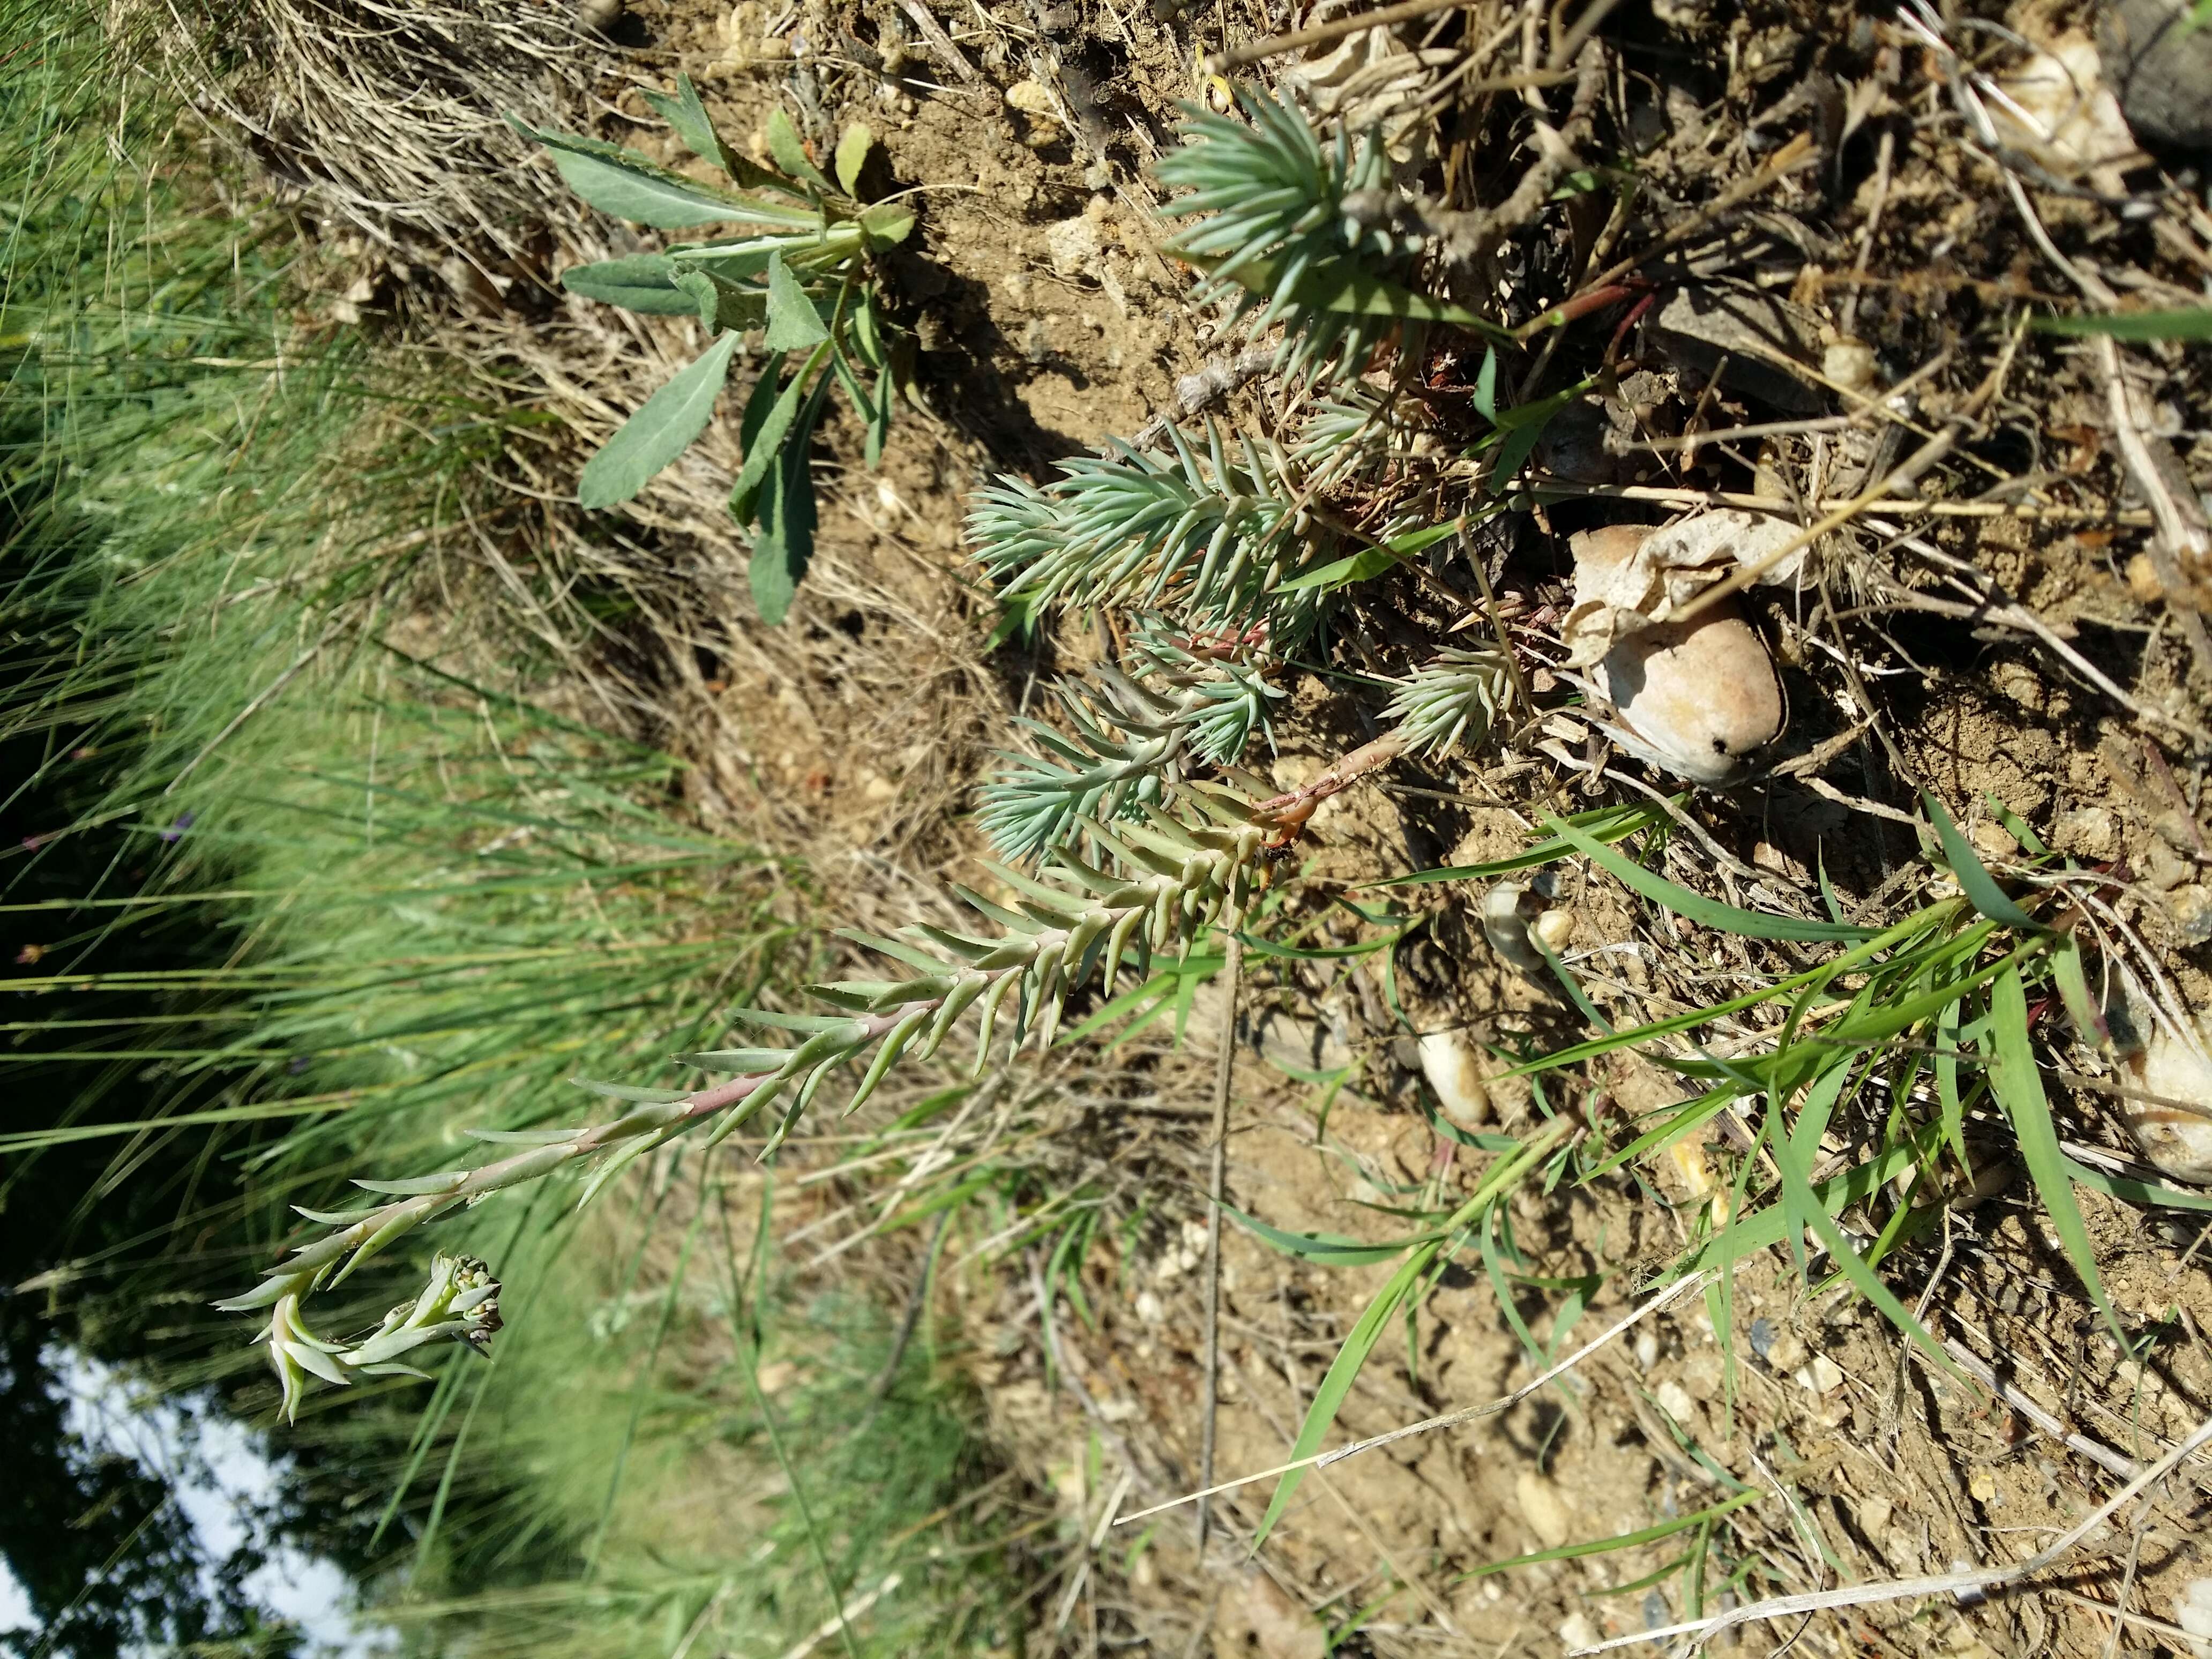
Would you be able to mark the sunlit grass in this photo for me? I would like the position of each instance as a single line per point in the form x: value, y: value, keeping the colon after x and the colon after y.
x: 307, y: 867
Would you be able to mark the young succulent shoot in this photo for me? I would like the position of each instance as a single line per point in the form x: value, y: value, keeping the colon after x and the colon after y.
x: 1215, y: 680
x: 1449, y: 702
x: 1213, y: 535
x: 1355, y: 435
x: 460, y: 1304
x: 1159, y: 884
x: 1125, y: 744
x: 798, y: 271
x: 1272, y: 227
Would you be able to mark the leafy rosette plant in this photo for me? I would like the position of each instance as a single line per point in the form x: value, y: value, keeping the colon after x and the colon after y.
x: 798, y: 271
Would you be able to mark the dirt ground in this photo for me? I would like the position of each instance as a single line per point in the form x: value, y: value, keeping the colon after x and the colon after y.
x: 2022, y: 653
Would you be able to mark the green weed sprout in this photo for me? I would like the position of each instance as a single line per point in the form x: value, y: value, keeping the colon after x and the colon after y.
x: 1168, y: 883
x: 800, y: 273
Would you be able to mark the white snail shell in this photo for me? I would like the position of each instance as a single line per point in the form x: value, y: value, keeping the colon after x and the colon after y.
x: 1695, y: 697
x: 1454, y: 1067
x: 2174, y: 1138
x: 1507, y: 910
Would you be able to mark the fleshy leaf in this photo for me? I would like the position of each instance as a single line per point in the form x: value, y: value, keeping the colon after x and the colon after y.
x: 643, y: 282
x: 626, y: 185
x: 785, y: 545
x: 684, y: 112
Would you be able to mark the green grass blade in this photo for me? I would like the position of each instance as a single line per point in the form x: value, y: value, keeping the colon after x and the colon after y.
x: 1373, y: 1323
x: 1975, y: 881
x: 2017, y: 1084
x: 1324, y: 1249
x: 1695, y: 907
x: 1802, y: 1209
x: 1605, y: 823
x: 1627, y: 1541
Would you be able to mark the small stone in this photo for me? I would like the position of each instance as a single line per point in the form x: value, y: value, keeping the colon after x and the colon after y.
x: 1821, y: 1376
x: 1850, y: 365
x: 2089, y: 833
x: 2192, y: 1611
x: 1577, y: 1631
x: 1674, y: 1400
x: 2190, y: 910
x: 1787, y: 1351
x: 2163, y: 869
x: 1647, y: 1349
x: 1543, y: 1509
x: 1993, y: 840
x: 1074, y: 244
x: 2162, y: 70
x: 1032, y: 98
x: 1982, y: 1486
x: 1756, y: 343
x: 1873, y: 1516
x: 1554, y: 930
x: 1149, y: 1308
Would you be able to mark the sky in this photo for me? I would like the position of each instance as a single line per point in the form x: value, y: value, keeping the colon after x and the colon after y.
x: 221, y: 1471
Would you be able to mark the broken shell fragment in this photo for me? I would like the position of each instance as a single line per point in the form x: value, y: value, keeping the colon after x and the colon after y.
x: 1508, y: 911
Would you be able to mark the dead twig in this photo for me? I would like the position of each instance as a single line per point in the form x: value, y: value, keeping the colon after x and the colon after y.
x: 1215, y: 1192
x: 2095, y: 1451
x: 933, y: 32
x: 1462, y: 237
x: 1449, y: 1419
x: 1321, y: 34
x: 1544, y: 488
x: 1952, y: 1584
x: 1196, y: 393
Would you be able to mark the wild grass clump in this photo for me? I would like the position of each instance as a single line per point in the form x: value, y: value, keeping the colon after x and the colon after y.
x: 303, y: 869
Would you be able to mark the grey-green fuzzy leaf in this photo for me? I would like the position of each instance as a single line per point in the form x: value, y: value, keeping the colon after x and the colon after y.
x: 660, y: 431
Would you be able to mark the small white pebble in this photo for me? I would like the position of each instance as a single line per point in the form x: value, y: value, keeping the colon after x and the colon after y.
x: 1674, y: 1400
x: 1822, y: 1376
